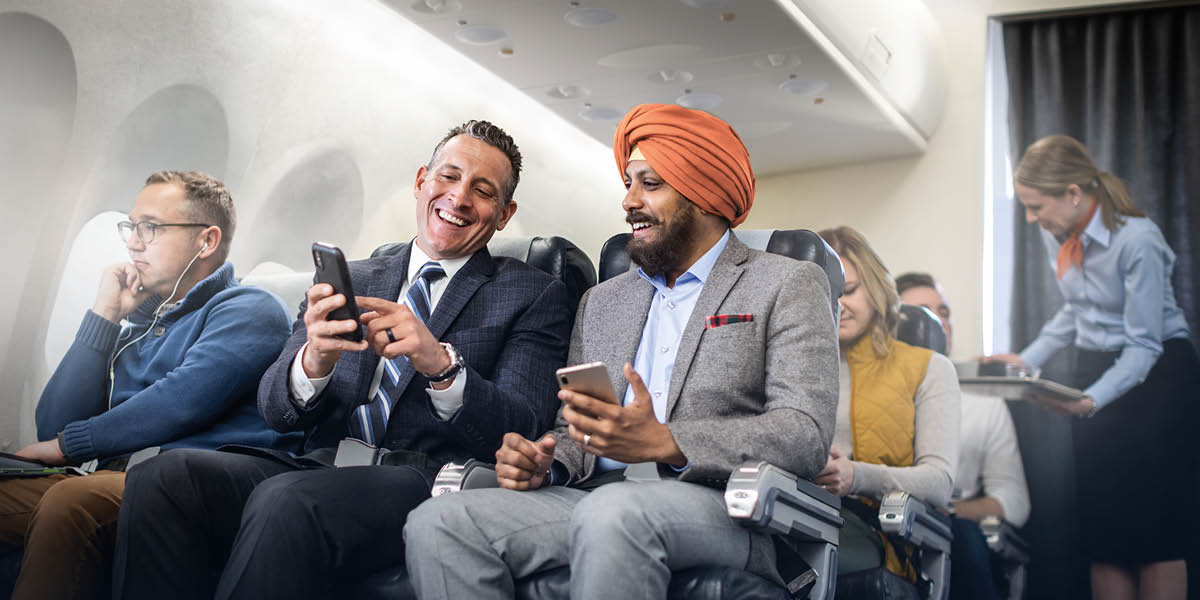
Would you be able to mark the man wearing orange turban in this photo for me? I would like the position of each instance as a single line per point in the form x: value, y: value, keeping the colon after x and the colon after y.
x: 727, y: 353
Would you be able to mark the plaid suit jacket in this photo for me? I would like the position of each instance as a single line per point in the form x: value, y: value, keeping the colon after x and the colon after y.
x: 509, y: 322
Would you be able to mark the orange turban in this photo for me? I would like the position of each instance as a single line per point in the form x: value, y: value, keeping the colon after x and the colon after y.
x: 698, y: 154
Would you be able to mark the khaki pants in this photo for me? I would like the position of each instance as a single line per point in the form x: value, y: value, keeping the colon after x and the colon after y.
x: 67, y: 527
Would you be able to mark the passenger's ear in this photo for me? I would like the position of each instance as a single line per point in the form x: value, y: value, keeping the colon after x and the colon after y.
x: 210, y: 239
x: 422, y: 173
x: 506, y: 213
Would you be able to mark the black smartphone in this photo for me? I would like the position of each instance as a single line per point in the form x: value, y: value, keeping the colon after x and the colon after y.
x: 331, y: 269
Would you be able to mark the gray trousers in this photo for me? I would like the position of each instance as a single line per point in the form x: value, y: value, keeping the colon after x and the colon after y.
x: 621, y: 540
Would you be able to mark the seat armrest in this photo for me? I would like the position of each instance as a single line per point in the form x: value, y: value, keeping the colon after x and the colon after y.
x: 764, y: 497
x: 471, y: 475
x: 906, y: 517
x: 1003, y: 539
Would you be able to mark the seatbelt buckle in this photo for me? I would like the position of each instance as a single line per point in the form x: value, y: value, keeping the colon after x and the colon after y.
x: 353, y: 452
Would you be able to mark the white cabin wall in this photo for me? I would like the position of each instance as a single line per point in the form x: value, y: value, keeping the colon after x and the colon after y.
x: 923, y: 213
x: 316, y: 115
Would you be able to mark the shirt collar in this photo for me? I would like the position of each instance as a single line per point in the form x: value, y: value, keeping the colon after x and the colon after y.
x: 700, y: 269
x: 1096, y: 230
x: 417, y: 259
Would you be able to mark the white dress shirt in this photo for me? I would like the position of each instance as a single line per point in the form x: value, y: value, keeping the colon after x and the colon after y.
x: 446, y: 402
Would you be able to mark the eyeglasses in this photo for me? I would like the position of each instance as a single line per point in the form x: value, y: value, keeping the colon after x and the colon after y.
x: 147, y: 229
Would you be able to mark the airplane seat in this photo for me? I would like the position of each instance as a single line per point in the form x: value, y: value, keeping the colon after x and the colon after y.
x: 800, y: 244
x: 904, y: 517
x: 554, y: 255
x: 1011, y: 552
x: 920, y: 327
x: 802, y: 516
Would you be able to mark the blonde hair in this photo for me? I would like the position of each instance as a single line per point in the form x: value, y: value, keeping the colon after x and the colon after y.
x: 874, y: 276
x: 1055, y: 162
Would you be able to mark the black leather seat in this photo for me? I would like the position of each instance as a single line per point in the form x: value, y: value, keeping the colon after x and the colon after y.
x: 709, y: 583
x: 920, y: 327
x: 554, y: 255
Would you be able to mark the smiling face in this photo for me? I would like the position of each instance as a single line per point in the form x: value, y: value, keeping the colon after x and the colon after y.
x: 1056, y: 214
x: 161, y: 262
x: 459, y: 198
x: 664, y: 223
x: 857, y: 313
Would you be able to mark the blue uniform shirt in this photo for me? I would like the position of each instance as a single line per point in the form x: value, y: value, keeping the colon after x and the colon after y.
x: 1120, y: 300
x: 669, y: 313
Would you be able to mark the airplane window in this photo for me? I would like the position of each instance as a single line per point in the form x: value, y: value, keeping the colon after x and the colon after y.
x: 96, y: 246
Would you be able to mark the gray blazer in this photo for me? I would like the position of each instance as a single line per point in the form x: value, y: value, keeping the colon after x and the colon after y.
x: 765, y: 389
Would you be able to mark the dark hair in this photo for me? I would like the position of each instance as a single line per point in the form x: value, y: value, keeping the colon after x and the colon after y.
x: 912, y: 280
x: 207, y: 200
x: 1055, y: 162
x: 495, y: 137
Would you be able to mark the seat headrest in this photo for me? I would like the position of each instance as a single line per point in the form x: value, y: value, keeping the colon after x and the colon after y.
x: 554, y: 255
x: 920, y: 327
x: 800, y: 244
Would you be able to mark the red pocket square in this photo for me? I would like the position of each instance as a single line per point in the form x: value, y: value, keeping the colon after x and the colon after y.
x: 713, y: 321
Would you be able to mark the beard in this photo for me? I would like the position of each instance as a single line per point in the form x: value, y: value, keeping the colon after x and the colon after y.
x: 673, y: 244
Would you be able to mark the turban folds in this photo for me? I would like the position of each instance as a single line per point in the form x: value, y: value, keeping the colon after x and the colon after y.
x: 696, y: 153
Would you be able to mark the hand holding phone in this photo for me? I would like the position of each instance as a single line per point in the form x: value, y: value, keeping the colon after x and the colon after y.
x: 591, y: 379
x: 331, y: 318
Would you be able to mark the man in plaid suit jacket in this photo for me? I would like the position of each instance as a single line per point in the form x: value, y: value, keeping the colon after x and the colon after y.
x: 728, y: 354
x: 451, y: 382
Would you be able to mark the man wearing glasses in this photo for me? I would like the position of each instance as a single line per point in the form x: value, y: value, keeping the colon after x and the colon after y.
x: 183, y: 371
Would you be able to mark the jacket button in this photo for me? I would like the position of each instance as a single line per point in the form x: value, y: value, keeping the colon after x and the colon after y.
x: 159, y: 330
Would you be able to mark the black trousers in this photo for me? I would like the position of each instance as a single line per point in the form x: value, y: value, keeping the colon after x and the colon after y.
x: 205, y: 524
x: 970, y: 563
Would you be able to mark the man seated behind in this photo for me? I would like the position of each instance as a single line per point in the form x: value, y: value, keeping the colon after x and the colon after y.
x: 466, y: 352
x: 990, y: 479
x: 183, y: 373
x: 729, y: 354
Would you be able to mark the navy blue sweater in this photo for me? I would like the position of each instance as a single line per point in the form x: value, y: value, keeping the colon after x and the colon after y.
x: 190, y: 383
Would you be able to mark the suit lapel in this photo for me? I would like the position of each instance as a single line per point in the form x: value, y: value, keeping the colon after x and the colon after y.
x: 726, y: 272
x: 460, y: 291
x: 386, y: 281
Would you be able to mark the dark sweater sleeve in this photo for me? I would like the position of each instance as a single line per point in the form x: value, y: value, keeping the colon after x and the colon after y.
x: 242, y: 334
x: 79, y: 387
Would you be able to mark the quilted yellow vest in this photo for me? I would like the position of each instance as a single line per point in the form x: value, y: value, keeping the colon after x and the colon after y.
x: 883, y: 420
x: 882, y: 413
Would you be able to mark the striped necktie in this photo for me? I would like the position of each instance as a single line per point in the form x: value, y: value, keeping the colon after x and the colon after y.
x: 369, y: 422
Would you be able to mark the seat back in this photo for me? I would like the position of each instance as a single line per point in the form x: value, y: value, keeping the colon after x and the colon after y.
x: 554, y: 255
x: 800, y: 244
x: 920, y: 327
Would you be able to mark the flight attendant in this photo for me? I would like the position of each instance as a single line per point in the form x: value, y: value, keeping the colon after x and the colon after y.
x: 1136, y: 365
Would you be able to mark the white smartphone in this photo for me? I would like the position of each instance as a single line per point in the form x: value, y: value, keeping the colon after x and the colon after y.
x: 591, y: 379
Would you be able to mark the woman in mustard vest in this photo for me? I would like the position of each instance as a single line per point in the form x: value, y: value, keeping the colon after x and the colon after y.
x: 898, y: 412
x: 1135, y: 363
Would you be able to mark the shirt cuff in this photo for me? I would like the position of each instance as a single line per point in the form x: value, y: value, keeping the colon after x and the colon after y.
x: 447, y: 402
x: 303, y: 388
x: 558, y: 474
x: 687, y: 465
x: 1101, y: 394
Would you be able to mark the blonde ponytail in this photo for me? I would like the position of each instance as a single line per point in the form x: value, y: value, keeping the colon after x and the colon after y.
x: 1115, y: 201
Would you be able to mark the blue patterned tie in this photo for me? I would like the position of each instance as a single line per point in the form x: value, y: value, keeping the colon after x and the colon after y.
x: 370, y: 420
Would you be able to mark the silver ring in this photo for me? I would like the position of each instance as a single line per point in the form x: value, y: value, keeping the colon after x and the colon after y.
x: 391, y: 337
x: 587, y: 437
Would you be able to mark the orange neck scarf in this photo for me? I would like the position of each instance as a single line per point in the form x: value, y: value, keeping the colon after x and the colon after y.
x: 1070, y: 254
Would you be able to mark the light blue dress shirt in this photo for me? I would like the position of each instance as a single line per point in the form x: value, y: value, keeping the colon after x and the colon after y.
x: 669, y: 313
x: 1121, y: 300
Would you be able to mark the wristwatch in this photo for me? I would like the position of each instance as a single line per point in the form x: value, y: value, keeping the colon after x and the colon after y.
x: 456, y: 365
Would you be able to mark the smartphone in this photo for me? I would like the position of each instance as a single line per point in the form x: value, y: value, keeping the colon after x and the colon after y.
x: 331, y: 269
x: 591, y: 379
